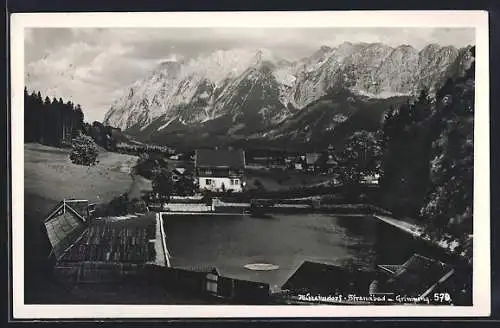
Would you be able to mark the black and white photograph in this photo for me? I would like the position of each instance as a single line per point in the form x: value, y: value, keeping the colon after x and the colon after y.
x: 306, y: 164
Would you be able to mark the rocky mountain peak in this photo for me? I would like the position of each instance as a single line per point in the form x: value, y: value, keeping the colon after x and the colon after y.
x: 254, y: 88
x: 325, y: 49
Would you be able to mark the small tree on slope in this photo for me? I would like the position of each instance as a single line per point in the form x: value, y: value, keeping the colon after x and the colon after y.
x: 84, y: 151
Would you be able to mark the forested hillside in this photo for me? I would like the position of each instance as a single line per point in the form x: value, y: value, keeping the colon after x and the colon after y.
x: 55, y: 122
x: 428, y: 160
x: 50, y: 121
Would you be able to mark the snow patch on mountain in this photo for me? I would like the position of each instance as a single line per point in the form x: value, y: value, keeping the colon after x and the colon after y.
x: 166, y: 124
x: 284, y: 76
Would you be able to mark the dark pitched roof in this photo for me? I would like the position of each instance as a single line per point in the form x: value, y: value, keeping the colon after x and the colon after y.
x: 416, y: 275
x: 390, y: 268
x: 63, y: 226
x: 180, y: 171
x: 326, y: 279
x: 80, y: 206
x: 126, y: 241
x: 220, y: 158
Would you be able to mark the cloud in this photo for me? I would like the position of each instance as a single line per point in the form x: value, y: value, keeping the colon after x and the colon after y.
x: 92, y: 66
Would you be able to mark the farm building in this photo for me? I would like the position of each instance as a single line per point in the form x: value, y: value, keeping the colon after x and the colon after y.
x: 418, y: 277
x: 104, y: 249
x: 179, y: 173
x: 66, y: 222
x: 299, y: 166
x: 326, y: 279
x: 220, y: 170
x: 208, y: 282
x: 313, y: 161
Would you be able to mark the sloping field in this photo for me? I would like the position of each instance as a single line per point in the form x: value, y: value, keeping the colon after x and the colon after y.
x: 49, y: 177
x: 48, y: 172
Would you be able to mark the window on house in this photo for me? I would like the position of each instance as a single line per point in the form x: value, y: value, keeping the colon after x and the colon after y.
x: 236, y: 182
x: 208, y: 182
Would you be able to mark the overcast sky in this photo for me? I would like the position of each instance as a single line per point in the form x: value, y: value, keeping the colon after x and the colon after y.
x: 93, y: 66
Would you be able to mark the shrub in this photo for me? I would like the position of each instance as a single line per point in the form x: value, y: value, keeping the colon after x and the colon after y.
x: 84, y: 151
x: 162, y: 183
x: 117, y: 206
x: 148, y: 165
x: 184, y: 186
x: 136, y: 205
x: 122, y: 205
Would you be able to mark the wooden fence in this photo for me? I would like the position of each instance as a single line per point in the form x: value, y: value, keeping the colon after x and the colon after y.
x: 199, y: 283
x: 208, y: 283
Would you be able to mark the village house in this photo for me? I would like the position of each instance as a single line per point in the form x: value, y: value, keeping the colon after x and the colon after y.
x: 178, y: 173
x: 289, y: 162
x: 327, y: 279
x: 418, y: 277
x: 298, y: 166
x: 65, y: 222
x: 312, y: 161
x: 97, y: 250
x: 372, y: 179
x: 220, y: 170
x: 296, y: 162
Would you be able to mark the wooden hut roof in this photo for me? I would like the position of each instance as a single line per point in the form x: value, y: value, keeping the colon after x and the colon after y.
x: 417, y: 275
x: 64, y: 224
x: 327, y: 279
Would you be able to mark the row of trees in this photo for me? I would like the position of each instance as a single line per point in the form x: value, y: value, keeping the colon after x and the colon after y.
x: 50, y: 121
x: 103, y: 135
x: 58, y: 123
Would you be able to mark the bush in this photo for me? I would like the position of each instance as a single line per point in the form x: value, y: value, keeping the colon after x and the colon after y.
x: 117, y: 206
x: 137, y: 206
x: 162, y: 183
x: 149, y: 164
x: 122, y: 205
x: 84, y: 151
x: 184, y: 187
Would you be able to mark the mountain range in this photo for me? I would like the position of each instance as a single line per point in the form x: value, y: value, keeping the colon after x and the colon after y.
x: 253, y: 96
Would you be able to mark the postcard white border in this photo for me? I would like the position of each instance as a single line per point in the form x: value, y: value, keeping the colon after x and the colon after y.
x: 481, y: 248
